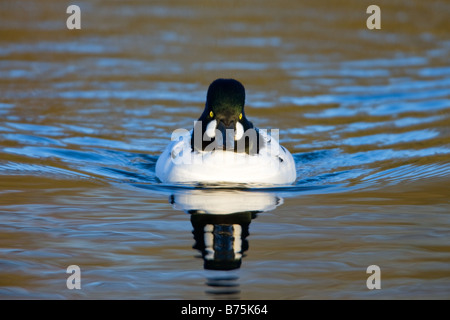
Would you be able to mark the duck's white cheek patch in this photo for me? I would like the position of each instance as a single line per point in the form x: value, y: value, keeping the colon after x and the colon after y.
x: 239, y: 131
x: 211, y: 129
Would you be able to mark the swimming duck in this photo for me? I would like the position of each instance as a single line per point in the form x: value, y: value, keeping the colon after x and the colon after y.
x: 224, y: 146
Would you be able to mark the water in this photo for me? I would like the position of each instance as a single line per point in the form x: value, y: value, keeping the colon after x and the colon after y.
x: 85, y: 113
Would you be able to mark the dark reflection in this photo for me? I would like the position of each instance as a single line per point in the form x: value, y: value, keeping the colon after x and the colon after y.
x: 221, y: 220
x: 222, y: 239
x: 224, y: 285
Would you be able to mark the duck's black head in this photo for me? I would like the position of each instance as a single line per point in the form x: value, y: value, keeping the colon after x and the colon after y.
x: 224, y: 111
x: 225, y: 101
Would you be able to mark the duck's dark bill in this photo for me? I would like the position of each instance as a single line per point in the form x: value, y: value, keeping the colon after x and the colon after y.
x: 228, y: 133
x: 226, y: 138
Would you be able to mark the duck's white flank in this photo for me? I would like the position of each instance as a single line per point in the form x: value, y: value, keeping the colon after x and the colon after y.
x: 179, y: 164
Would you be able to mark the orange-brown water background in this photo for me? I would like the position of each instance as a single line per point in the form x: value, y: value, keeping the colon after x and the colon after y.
x: 85, y: 113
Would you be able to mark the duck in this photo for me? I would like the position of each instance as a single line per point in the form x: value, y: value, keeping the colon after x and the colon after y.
x: 224, y: 147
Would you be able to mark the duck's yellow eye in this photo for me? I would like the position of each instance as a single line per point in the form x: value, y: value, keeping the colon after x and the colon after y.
x: 240, y: 116
x: 211, y: 114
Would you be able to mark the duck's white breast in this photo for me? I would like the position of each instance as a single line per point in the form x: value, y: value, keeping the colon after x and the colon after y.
x: 178, y: 164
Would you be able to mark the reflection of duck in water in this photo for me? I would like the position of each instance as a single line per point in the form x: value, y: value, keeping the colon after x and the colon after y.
x: 221, y: 220
x: 221, y: 238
